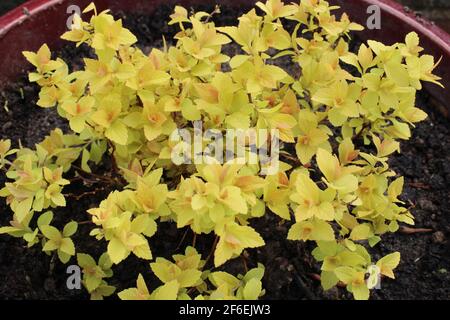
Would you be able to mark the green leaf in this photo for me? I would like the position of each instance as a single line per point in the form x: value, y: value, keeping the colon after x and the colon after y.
x: 252, y: 289
x: 328, y: 280
x: 92, y: 283
x: 9, y: 230
x: 85, y: 261
x: 345, y: 274
x: 361, y: 232
x: 63, y: 257
x: 360, y: 292
x: 70, y: 229
x: 129, y: 294
x: 50, y: 245
x: 59, y: 200
x: 45, y: 219
x: 50, y: 232
x: 23, y: 209
x: 388, y: 263
x: 84, y: 160
x: 67, y: 246
x: 373, y: 241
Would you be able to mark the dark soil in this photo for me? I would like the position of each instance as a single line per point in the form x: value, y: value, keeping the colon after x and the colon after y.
x: 424, y: 271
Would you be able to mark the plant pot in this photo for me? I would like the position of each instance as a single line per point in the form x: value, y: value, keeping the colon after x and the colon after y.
x: 39, y: 21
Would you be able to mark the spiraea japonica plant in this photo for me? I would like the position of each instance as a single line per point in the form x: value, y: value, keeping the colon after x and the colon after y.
x: 339, y: 116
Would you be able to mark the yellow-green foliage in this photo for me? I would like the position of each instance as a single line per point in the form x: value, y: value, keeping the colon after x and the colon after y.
x: 126, y: 104
x: 186, y: 272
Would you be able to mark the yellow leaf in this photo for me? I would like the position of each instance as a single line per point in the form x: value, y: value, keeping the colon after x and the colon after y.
x: 388, y: 263
x: 117, y: 250
x: 117, y: 133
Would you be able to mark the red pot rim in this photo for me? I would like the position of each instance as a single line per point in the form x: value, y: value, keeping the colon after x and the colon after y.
x: 21, y: 13
x: 12, y: 25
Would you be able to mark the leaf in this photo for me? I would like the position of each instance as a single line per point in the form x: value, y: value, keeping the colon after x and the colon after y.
x: 92, y: 283
x: 63, y: 257
x: 139, y: 293
x: 22, y: 209
x: 397, y: 72
x: 300, y: 231
x: 345, y: 274
x: 84, y: 161
x: 45, y: 219
x: 90, y: 7
x: 316, y: 230
x: 395, y: 189
x: 140, y: 223
x: 117, y: 133
x: 220, y: 278
x: 388, y: 263
x: 50, y: 232
x: 238, y: 60
x: 373, y: 241
x: 252, y: 289
x: 232, y: 197
x: 188, y: 278
x: 67, y: 246
x: 169, y: 291
x: 85, y: 261
x: 328, y: 280
x: 190, y: 111
x: 322, y: 231
x: 50, y: 245
x: 70, y: 229
x: 143, y: 251
x: 129, y: 294
x: 234, y: 240
x: 117, y: 251
x: 282, y: 210
x: 59, y: 200
x: 385, y: 147
x: 30, y: 237
x: 161, y: 269
x: 9, y: 230
x: 361, y: 232
x: 360, y: 292
x: 327, y: 164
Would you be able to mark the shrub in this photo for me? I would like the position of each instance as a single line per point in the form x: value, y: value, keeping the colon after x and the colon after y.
x: 339, y: 116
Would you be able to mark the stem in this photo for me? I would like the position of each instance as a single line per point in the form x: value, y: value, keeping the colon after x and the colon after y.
x: 182, y: 240
x: 358, y: 135
x: 194, y: 240
x: 216, y: 10
x: 97, y: 178
x: 244, y: 262
x: 84, y: 194
x: 407, y: 230
x: 211, y: 253
x: 85, y: 222
x: 113, y: 158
